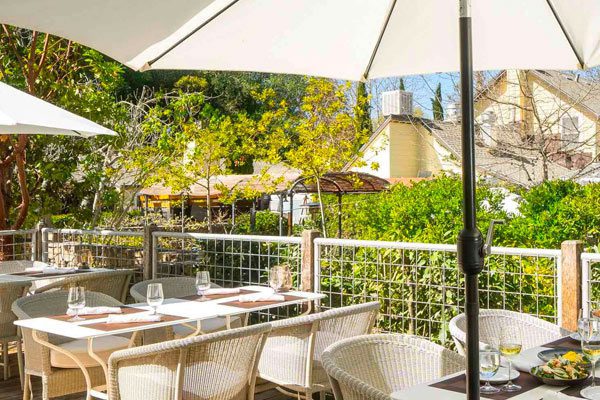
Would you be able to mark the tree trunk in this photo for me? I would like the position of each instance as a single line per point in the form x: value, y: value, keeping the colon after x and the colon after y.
x: 208, y: 207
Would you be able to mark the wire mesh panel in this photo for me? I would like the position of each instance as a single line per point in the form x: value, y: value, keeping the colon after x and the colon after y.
x: 232, y: 260
x: 420, y: 286
x: 95, y: 249
x: 590, y: 281
x: 17, y: 245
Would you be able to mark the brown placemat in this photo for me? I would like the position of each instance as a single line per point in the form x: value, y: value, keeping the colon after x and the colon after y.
x: 124, y: 310
x: 459, y: 384
x: 103, y: 326
x: 574, y: 390
x: 566, y: 343
x: 209, y: 297
x: 253, y: 304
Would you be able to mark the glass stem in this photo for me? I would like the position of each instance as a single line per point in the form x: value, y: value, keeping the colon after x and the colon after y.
x: 593, y: 373
x: 509, y: 372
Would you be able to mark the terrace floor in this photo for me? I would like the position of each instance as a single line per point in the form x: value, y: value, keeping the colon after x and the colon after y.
x: 11, y: 390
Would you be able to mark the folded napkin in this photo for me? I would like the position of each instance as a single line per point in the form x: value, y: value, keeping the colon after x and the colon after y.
x: 54, y: 270
x: 96, y: 310
x: 38, y: 266
x: 127, y: 318
x: 208, y: 292
x: 527, y: 360
x: 557, y: 396
x: 260, y: 296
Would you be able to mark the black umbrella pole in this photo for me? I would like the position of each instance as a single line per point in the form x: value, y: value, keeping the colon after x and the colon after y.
x: 470, y: 240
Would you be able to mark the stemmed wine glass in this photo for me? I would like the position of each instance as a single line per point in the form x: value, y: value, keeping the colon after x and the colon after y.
x: 489, y: 362
x: 76, y: 301
x: 510, y: 347
x: 202, y: 282
x: 589, y: 329
x: 275, y: 278
x: 155, y: 296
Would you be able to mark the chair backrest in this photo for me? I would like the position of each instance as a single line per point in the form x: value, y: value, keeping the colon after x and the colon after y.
x: 10, y: 267
x: 217, y: 366
x: 9, y: 292
x: 179, y: 286
x: 37, y: 357
x: 535, y: 331
x: 307, y: 337
x: 374, y: 366
x: 113, y: 283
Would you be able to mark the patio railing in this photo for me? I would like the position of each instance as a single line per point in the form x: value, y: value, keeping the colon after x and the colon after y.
x: 17, y: 244
x: 420, y: 287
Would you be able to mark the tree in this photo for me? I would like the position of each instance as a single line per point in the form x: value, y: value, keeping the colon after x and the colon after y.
x: 63, y: 73
x: 363, y: 108
x: 328, y: 135
x: 436, y: 104
x: 401, y: 86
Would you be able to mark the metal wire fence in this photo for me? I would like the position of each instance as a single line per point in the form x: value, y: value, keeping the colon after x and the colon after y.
x: 590, y: 281
x: 232, y: 260
x: 420, y: 287
x: 94, y: 248
x: 17, y: 245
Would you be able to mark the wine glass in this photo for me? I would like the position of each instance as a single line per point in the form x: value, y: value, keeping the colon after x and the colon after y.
x: 510, y: 347
x: 155, y: 296
x: 489, y: 362
x: 202, y: 282
x: 76, y: 301
x: 589, y: 329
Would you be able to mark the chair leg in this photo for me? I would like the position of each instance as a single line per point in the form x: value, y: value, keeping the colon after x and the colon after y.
x: 322, y: 395
x: 20, y: 362
x: 26, y: 387
x: 5, y: 359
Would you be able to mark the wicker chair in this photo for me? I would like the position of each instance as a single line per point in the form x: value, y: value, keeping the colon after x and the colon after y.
x: 372, y: 367
x: 181, y: 287
x: 535, y: 331
x: 9, y: 292
x: 52, y: 360
x: 10, y: 267
x: 216, y: 366
x: 291, y: 359
x: 113, y: 283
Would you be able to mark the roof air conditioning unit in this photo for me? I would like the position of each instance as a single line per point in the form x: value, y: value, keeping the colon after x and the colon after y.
x: 397, y: 102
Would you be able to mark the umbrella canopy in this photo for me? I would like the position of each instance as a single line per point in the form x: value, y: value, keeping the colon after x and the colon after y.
x: 342, y: 39
x: 21, y: 113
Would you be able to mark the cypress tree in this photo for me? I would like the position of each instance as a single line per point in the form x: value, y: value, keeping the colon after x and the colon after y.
x: 402, y: 84
x: 436, y: 104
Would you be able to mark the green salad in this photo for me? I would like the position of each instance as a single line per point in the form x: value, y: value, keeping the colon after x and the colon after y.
x: 561, y: 368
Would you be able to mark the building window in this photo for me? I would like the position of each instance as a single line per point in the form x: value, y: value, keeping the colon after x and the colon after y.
x: 570, y: 129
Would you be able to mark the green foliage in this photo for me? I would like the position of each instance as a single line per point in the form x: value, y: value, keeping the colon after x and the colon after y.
x: 266, y: 223
x: 363, y: 108
x: 436, y: 104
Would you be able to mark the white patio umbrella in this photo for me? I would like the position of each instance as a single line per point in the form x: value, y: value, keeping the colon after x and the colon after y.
x: 343, y: 39
x: 21, y: 113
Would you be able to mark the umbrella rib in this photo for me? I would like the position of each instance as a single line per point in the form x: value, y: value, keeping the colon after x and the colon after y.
x: 187, y: 36
x: 564, y: 31
x: 376, y: 48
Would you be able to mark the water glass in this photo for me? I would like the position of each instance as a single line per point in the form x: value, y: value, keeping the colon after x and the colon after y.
x: 489, y: 362
x: 76, y: 301
x: 511, y: 342
x: 589, y: 329
x: 155, y: 296
x: 202, y: 282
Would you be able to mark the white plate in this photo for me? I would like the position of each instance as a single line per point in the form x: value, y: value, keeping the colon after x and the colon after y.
x: 502, y: 376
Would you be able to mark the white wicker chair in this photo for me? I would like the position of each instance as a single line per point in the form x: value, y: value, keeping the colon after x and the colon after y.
x: 183, y: 286
x: 291, y: 359
x: 10, y: 267
x: 216, y: 366
x: 372, y: 367
x: 113, y: 283
x: 9, y: 292
x: 535, y: 331
x: 50, y: 356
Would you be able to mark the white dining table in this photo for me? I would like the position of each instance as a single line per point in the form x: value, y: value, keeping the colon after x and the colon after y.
x: 524, y: 362
x: 176, y: 311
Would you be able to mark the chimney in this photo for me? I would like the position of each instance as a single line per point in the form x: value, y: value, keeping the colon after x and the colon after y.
x: 397, y: 102
x: 452, y: 112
